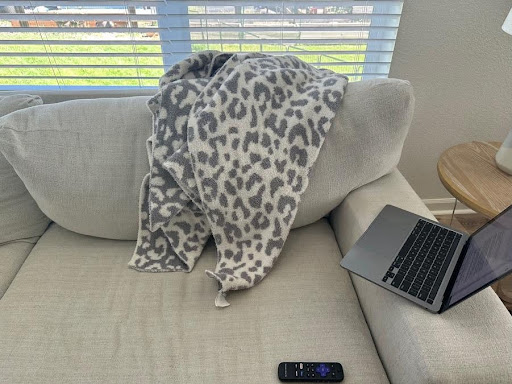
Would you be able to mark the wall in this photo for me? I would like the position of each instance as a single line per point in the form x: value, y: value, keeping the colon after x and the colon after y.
x: 459, y: 62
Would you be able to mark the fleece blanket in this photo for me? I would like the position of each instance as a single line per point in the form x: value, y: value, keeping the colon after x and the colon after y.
x: 234, y: 139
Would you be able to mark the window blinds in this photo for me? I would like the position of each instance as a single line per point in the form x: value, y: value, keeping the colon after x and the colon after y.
x: 121, y: 43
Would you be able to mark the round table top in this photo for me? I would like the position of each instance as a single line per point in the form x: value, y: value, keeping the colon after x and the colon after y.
x: 469, y: 172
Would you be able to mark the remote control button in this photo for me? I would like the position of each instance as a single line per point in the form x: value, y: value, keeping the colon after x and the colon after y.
x: 301, y: 373
x: 296, y: 374
x: 323, y: 370
x: 301, y: 366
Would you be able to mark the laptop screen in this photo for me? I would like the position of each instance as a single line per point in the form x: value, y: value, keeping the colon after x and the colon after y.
x: 488, y: 257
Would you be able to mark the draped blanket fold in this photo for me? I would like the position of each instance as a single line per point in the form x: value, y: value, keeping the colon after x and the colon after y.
x: 234, y: 138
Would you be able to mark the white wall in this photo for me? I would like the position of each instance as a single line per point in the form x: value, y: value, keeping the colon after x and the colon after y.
x: 459, y: 62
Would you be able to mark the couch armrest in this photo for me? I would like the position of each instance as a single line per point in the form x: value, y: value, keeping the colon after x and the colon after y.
x: 12, y: 257
x: 470, y: 343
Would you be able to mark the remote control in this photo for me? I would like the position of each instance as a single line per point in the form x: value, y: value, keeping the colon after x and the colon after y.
x: 311, y: 372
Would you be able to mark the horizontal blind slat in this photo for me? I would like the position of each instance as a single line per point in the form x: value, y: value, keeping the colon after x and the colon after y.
x: 153, y: 3
x: 227, y: 28
x: 82, y: 77
x: 145, y: 54
x: 190, y: 16
x: 143, y: 66
x: 199, y: 41
x: 135, y: 77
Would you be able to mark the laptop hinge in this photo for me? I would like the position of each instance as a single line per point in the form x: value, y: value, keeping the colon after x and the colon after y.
x: 455, y: 272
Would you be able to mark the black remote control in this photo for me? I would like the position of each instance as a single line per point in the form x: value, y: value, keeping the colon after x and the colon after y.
x: 311, y: 372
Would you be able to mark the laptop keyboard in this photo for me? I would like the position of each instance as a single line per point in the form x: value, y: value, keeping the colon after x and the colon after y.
x: 423, y: 260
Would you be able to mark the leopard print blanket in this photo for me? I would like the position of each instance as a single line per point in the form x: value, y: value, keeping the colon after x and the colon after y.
x: 234, y: 138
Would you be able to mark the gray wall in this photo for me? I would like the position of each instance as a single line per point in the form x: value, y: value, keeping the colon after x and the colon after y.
x: 459, y: 62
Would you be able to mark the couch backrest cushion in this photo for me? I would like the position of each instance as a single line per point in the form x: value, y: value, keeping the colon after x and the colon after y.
x: 364, y: 143
x: 20, y: 216
x: 83, y: 161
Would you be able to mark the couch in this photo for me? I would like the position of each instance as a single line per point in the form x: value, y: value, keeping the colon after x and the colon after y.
x: 71, y: 311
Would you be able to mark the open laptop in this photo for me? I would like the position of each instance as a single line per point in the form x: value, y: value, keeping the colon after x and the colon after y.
x: 429, y: 263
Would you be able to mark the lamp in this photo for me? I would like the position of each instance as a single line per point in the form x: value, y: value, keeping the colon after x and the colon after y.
x: 504, y: 154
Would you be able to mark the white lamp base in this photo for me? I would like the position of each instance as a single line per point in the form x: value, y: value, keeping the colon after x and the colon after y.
x: 504, y: 155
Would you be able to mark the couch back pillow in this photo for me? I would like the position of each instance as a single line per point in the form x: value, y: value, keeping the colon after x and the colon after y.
x: 364, y: 143
x: 83, y: 161
x: 20, y: 216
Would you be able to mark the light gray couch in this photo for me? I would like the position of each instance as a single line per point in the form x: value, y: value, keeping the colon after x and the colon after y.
x: 72, y: 311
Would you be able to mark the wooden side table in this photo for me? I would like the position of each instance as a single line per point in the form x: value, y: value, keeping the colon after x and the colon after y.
x: 469, y: 172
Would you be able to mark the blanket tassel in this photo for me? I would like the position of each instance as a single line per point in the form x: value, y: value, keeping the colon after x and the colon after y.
x: 220, y: 300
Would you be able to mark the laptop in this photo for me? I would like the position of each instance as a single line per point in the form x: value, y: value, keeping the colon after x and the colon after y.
x: 428, y: 263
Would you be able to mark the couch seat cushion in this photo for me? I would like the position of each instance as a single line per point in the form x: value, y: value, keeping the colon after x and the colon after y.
x: 76, y: 313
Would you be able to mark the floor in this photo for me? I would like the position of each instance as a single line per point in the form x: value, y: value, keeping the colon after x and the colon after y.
x: 467, y: 223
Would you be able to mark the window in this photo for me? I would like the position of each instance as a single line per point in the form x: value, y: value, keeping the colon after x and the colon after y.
x: 73, y: 43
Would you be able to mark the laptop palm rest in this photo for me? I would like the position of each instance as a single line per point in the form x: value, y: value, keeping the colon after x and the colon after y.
x: 374, y: 252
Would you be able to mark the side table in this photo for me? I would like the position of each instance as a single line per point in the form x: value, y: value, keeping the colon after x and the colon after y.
x: 469, y: 172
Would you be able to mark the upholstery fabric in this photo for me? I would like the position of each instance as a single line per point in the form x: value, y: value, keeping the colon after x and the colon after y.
x: 90, y: 178
x: 12, y: 256
x: 76, y: 314
x: 470, y: 343
x: 19, y: 215
x: 11, y: 103
x: 82, y: 161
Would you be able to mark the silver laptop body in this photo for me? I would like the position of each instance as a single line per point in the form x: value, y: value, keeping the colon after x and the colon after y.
x: 378, y: 248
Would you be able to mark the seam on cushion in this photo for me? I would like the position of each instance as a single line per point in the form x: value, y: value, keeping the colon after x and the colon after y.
x: 26, y: 257
x: 16, y: 241
x: 113, y: 134
x: 37, y: 130
x: 19, y: 269
x: 22, y: 240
